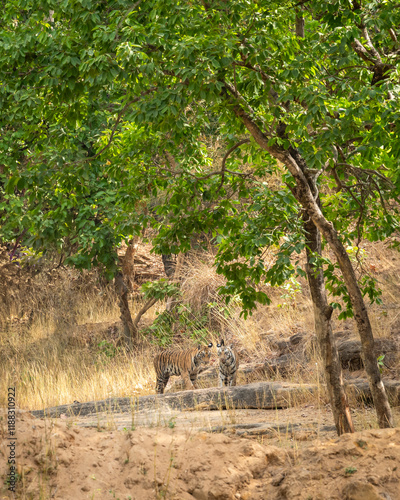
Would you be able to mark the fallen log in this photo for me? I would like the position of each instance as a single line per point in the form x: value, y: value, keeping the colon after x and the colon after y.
x: 261, y: 395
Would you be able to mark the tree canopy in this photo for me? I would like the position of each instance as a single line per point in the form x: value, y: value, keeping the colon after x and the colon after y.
x: 116, y: 115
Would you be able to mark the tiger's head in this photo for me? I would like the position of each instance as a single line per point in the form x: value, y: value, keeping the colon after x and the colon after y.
x: 203, y: 354
x: 224, y: 352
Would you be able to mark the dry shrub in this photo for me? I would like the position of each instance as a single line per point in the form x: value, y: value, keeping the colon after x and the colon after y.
x: 42, y: 293
x: 199, y: 280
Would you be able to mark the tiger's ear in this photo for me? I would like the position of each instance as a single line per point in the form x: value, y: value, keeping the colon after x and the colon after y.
x: 210, y: 344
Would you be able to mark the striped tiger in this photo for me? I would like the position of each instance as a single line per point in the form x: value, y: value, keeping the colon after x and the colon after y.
x: 180, y: 362
x: 228, y: 364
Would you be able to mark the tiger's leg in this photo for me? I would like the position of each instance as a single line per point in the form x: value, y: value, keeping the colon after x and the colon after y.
x: 224, y: 378
x: 187, y: 381
x: 220, y: 380
x: 162, y: 381
x: 233, y: 379
x: 193, y: 379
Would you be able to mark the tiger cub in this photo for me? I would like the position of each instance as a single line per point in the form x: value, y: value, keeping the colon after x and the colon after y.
x: 180, y: 362
x: 228, y: 364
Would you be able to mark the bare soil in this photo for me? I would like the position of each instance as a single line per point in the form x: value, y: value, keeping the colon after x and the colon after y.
x: 175, y: 458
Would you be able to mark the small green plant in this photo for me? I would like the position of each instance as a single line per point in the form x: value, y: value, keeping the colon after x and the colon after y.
x: 292, y: 287
x: 362, y: 444
x: 28, y: 256
x: 161, y: 330
x: 107, y: 349
x: 112, y: 492
x: 17, y: 477
x: 350, y: 470
x: 172, y: 422
x: 381, y: 363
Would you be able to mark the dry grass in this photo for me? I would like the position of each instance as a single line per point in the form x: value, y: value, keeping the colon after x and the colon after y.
x: 68, y: 348
x: 55, y: 368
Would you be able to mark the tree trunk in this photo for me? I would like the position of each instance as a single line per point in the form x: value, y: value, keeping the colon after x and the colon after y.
x: 144, y: 309
x: 299, y: 25
x: 364, y: 327
x: 323, y: 330
x: 129, y: 329
x: 296, y: 165
x: 128, y: 263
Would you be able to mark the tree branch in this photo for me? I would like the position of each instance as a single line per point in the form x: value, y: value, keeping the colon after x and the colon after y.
x: 358, y: 170
x: 362, y: 51
x: 372, y: 49
x: 230, y: 150
x: 145, y: 308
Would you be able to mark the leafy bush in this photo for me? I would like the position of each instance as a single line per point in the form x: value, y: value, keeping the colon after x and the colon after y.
x: 181, y: 322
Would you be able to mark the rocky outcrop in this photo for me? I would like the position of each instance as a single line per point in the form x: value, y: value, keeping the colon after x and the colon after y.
x: 350, y: 352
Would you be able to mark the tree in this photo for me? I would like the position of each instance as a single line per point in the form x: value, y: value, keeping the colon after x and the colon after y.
x: 136, y: 92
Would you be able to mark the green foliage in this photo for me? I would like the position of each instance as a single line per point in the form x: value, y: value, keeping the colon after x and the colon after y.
x: 356, y: 254
x: 381, y: 362
x: 350, y: 470
x: 172, y: 422
x: 160, y: 289
x: 335, y: 285
x: 292, y: 288
x: 161, y: 329
x: 222, y: 309
x: 107, y: 106
x: 28, y: 257
x: 107, y: 349
x: 182, y: 321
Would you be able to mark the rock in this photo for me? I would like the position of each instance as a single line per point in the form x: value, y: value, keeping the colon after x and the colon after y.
x: 200, y: 494
x: 357, y: 490
x: 350, y: 352
x: 294, y: 431
x: 363, y: 392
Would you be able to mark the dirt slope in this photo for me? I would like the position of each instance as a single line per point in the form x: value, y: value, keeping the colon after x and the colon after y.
x: 62, y: 461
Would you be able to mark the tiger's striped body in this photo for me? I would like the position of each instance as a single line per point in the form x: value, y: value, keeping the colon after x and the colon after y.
x: 185, y: 363
x: 228, y: 364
